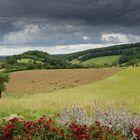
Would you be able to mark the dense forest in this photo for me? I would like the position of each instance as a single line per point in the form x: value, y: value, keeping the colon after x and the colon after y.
x: 129, y: 54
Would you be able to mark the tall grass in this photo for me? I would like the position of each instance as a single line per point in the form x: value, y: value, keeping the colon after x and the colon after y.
x: 121, y: 87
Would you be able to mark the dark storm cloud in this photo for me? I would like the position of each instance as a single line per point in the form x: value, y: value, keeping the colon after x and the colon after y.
x: 64, y: 22
x: 120, y: 12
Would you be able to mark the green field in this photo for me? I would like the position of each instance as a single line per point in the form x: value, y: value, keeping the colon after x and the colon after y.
x: 121, y: 87
x: 27, y: 60
x: 102, y: 61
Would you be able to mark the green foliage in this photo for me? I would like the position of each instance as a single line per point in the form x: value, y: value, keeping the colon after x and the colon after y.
x: 11, y: 60
x: 126, y: 52
x: 36, y: 60
x: 128, y: 49
x: 1, y: 64
x: 28, y: 60
x: 48, y: 128
x: 130, y: 56
x: 104, y: 61
x: 4, y: 78
x: 133, y: 61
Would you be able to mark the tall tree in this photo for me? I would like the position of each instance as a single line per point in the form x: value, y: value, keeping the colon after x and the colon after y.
x: 4, y: 78
x: 133, y: 61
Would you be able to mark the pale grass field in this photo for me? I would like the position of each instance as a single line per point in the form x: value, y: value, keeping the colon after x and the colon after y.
x: 122, y: 87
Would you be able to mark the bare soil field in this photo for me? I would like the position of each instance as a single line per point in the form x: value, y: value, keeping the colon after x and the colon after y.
x: 34, y: 81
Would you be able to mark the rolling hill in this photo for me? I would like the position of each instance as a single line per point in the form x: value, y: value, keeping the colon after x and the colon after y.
x: 35, y: 60
x: 124, y: 49
x: 129, y: 54
x: 121, y: 87
x: 119, y: 55
x: 103, y: 61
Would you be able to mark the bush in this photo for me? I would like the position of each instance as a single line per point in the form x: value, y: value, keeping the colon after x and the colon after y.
x: 46, y: 128
x: 73, y: 124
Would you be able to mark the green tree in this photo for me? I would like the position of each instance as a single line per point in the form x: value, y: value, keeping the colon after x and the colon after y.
x: 11, y: 60
x: 133, y: 61
x: 4, y: 78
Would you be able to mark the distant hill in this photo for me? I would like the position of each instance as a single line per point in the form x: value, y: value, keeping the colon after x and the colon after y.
x: 119, y: 55
x: 2, y: 57
x: 36, y: 60
x: 125, y: 55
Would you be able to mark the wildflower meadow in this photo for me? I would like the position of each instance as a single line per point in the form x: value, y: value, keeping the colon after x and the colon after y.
x: 73, y: 124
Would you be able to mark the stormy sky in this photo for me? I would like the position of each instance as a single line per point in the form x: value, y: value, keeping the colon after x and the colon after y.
x: 63, y: 26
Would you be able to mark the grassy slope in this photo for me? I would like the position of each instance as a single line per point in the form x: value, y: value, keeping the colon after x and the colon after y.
x: 101, y: 61
x: 123, y: 85
x: 27, y: 60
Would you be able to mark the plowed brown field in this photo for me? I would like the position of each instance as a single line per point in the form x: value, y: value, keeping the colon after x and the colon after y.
x: 35, y: 81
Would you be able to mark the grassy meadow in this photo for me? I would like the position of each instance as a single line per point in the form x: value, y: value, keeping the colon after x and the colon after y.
x: 102, y: 61
x: 121, y: 87
x: 27, y: 60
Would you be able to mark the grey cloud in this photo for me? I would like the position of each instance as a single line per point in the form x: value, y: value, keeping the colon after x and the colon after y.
x: 64, y: 22
x: 52, y: 34
x: 124, y: 12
